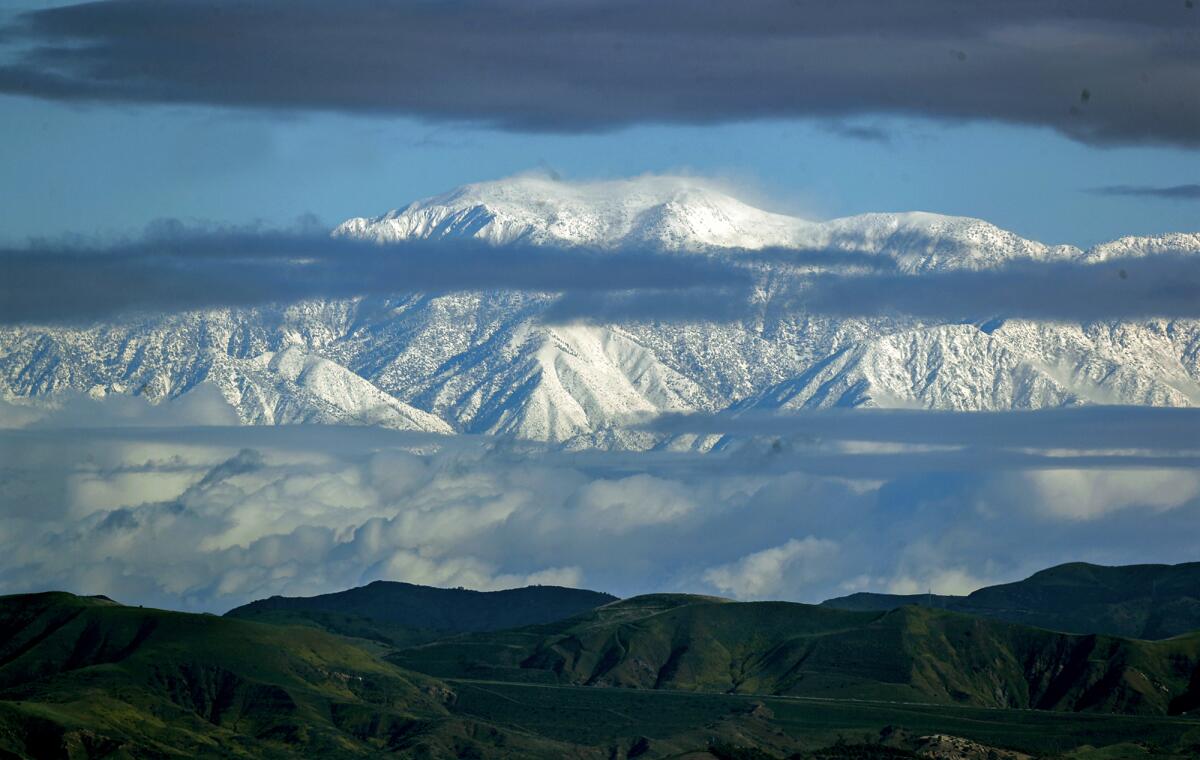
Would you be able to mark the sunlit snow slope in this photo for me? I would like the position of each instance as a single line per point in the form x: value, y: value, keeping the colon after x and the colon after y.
x: 483, y: 362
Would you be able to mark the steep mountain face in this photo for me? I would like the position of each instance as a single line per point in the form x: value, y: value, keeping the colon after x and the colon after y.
x: 482, y: 362
x: 1139, y: 601
x: 909, y: 654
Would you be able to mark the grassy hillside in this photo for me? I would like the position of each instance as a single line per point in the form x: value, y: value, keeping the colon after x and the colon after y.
x: 88, y: 678
x: 675, y: 724
x: 911, y: 654
x: 382, y: 636
x: 400, y: 614
x: 85, y: 677
x: 866, y: 601
x: 1136, y: 601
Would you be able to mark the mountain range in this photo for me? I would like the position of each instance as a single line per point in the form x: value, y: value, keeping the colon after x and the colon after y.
x: 1138, y: 601
x: 1129, y: 601
x: 85, y: 677
x: 397, y: 613
x: 910, y: 654
x: 659, y: 675
x: 483, y: 362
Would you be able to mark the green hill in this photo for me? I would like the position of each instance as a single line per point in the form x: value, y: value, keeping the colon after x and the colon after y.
x: 86, y: 677
x: 401, y: 614
x: 867, y: 601
x: 89, y: 678
x: 910, y: 654
x: 1137, y: 601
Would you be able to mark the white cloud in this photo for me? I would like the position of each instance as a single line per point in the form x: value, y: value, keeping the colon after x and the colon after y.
x: 622, y: 505
x: 202, y: 405
x: 954, y: 581
x: 778, y: 571
x: 1091, y: 494
x: 210, y: 517
x: 19, y: 413
x: 469, y: 572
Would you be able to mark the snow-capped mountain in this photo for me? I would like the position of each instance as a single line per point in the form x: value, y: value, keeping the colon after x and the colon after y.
x: 669, y: 213
x: 682, y: 214
x: 484, y: 362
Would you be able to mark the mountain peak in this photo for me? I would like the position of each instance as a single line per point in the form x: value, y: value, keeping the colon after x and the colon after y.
x: 482, y: 362
x: 667, y: 212
x: 681, y: 213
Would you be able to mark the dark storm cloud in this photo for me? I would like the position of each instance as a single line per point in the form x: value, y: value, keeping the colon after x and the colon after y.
x: 1100, y: 71
x: 690, y: 305
x: 987, y: 441
x: 174, y: 269
x: 1128, y: 288
x: 1167, y: 429
x: 1159, y: 286
x: 864, y: 132
x: 823, y: 258
x: 1172, y: 192
x: 189, y: 270
x: 968, y: 460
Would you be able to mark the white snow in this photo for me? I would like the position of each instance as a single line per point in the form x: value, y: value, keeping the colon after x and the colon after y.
x: 481, y: 362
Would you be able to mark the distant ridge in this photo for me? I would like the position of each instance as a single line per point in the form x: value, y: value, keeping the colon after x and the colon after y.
x: 1137, y: 601
x: 690, y: 643
x: 427, y: 608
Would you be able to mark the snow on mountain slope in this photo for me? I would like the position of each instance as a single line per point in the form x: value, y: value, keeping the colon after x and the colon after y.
x: 922, y: 242
x: 1015, y: 365
x: 921, y: 368
x: 483, y: 362
x: 253, y: 357
x: 314, y: 389
x: 582, y: 379
x: 675, y: 214
x: 1173, y: 242
x: 670, y: 213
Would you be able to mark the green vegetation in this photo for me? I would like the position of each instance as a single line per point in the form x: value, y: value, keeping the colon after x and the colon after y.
x: 384, y: 636
x: 710, y: 678
x: 1135, y: 601
x: 674, y: 722
x: 910, y: 655
x: 403, y: 613
x: 91, y: 678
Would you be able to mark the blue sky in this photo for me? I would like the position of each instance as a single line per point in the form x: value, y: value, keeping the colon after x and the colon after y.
x: 119, y: 113
x: 105, y: 169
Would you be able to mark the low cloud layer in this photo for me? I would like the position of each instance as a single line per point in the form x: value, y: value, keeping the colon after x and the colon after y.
x: 1100, y: 71
x: 209, y: 517
x: 177, y: 270
x: 1163, y: 285
x: 1128, y: 288
x: 1168, y: 192
x: 1141, y: 428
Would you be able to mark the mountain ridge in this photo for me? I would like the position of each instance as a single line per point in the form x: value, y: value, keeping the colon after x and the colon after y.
x: 1137, y: 601
x: 88, y: 677
x: 908, y: 654
x: 82, y: 677
x: 687, y: 213
x: 482, y: 362
x: 393, y: 612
